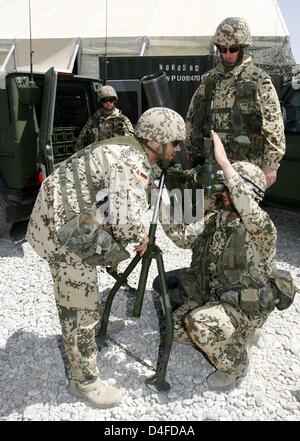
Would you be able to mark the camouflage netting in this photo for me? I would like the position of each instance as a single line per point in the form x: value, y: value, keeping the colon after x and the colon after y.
x: 277, y: 60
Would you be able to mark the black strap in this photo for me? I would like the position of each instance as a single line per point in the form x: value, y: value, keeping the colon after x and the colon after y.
x: 257, y: 190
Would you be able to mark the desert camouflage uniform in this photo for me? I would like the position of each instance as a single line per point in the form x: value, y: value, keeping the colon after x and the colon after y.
x: 98, y: 128
x: 264, y: 152
x: 220, y: 328
x: 115, y: 169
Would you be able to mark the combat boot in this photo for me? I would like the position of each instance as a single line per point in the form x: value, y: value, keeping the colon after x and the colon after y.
x: 220, y: 381
x: 97, y: 393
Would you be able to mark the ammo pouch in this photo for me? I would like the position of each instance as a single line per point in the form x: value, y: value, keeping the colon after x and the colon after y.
x: 256, y: 301
x: 84, y: 236
x: 240, y: 144
x: 284, y: 287
x: 279, y: 292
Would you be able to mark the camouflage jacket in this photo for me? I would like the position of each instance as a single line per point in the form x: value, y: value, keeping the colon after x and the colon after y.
x: 260, y: 238
x: 98, y: 128
x: 120, y: 175
x: 267, y: 141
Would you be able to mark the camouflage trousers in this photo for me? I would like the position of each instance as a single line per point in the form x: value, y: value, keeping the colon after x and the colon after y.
x: 221, y: 331
x: 77, y: 300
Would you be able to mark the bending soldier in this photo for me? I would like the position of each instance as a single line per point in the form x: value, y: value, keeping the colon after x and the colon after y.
x: 238, y: 101
x: 233, y: 263
x: 85, y: 212
x: 107, y: 122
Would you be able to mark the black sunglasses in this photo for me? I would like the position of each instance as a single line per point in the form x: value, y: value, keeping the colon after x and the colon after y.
x: 109, y: 99
x: 232, y: 49
x: 175, y: 143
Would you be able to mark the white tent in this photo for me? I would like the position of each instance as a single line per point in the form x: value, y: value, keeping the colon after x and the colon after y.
x: 119, y: 27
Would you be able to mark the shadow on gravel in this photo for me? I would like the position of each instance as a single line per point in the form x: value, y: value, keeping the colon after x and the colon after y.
x: 30, y: 372
x: 33, y: 371
x: 11, y: 244
x: 287, y: 224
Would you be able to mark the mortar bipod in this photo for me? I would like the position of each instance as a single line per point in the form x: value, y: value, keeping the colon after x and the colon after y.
x: 166, y: 332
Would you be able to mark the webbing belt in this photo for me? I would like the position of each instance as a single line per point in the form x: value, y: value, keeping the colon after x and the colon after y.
x: 63, y: 188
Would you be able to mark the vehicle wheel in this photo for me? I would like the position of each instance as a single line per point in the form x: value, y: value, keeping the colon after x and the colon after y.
x: 4, y: 225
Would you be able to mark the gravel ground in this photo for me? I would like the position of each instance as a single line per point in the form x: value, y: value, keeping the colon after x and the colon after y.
x: 32, y: 378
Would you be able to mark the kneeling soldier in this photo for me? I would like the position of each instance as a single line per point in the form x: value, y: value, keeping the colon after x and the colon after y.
x: 235, y: 283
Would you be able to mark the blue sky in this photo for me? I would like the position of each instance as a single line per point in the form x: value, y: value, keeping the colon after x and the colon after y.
x: 290, y: 10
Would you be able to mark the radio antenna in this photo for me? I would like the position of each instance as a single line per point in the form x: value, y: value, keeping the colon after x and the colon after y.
x: 30, y: 43
x: 105, y: 57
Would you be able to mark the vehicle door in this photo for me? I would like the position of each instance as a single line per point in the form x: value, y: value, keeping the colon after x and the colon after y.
x: 46, y: 126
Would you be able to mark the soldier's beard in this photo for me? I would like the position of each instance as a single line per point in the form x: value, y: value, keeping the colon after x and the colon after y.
x: 162, y: 159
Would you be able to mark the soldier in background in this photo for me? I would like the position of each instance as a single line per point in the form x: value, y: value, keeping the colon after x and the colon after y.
x: 86, y: 211
x: 107, y: 122
x: 238, y: 101
x: 234, y: 256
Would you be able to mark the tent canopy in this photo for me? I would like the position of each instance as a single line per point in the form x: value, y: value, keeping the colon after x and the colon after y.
x: 117, y: 27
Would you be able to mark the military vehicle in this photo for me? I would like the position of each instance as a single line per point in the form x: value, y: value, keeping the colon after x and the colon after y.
x: 41, y: 117
x: 286, y: 190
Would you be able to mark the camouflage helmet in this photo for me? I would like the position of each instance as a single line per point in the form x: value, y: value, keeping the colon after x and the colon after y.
x: 233, y: 31
x: 253, y: 176
x: 106, y: 92
x: 160, y: 124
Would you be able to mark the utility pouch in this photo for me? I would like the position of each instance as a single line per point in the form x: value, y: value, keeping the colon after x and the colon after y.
x: 267, y: 298
x: 240, y: 145
x: 249, y: 300
x: 285, y: 288
x: 84, y: 236
x: 188, y: 281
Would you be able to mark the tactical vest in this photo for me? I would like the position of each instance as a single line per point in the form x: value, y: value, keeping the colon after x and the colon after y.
x: 244, y: 140
x: 255, y: 292
x: 72, y: 161
x: 111, y: 127
x: 82, y: 234
x: 233, y: 271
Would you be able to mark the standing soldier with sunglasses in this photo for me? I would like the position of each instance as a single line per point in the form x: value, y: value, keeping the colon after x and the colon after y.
x: 106, y: 123
x: 238, y: 101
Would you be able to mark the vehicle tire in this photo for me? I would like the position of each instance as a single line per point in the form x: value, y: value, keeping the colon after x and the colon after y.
x: 4, y: 225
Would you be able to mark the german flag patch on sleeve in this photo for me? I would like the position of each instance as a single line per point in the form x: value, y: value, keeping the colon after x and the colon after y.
x: 266, y: 83
x: 143, y: 177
